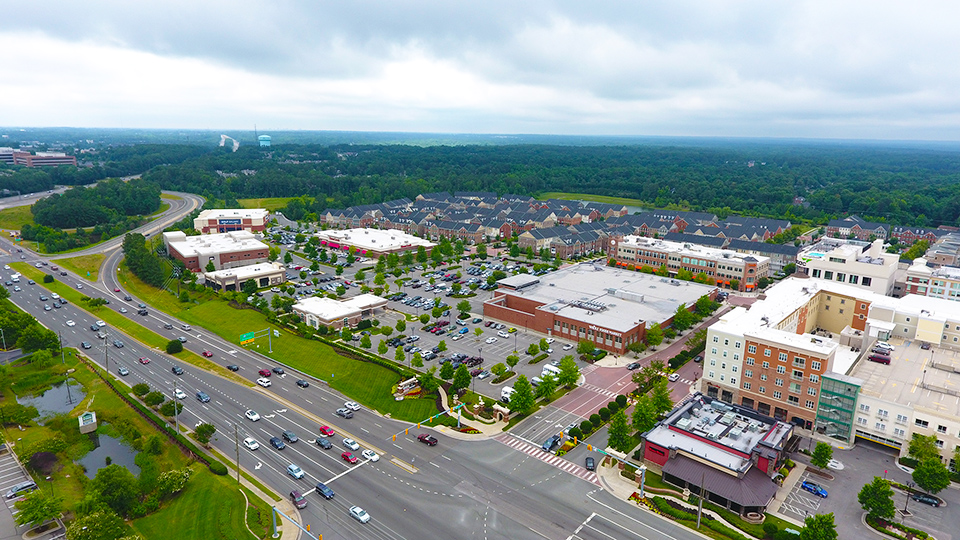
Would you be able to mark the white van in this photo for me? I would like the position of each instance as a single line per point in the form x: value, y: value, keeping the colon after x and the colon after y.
x: 550, y: 370
x: 506, y: 393
x: 186, y: 327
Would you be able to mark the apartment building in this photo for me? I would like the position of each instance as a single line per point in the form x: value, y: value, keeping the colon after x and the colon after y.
x: 852, y: 262
x: 724, y: 267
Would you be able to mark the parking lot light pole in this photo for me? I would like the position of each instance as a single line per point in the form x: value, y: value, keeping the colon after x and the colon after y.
x: 907, y: 501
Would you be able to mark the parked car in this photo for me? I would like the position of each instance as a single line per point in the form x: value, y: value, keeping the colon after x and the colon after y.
x: 20, y: 489
x: 550, y: 443
x: 814, y: 488
x: 926, y: 499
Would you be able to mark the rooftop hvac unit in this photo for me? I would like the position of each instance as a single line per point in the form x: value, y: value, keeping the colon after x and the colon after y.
x: 734, y: 435
x: 712, y: 436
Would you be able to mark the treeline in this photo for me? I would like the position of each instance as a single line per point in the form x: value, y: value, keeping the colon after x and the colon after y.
x: 144, y: 263
x: 913, y: 186
x: 57, y: 240
x: 110, y: 201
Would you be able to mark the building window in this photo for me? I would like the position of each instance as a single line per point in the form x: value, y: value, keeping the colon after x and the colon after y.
x: 862, y: 421
x: 901, y: 419
x: 766, y: 352
x: 750, y: 361
x: 723, y: 365
x: 733, y: 380
x: 778, y: 382
x: 716, y: 339
x: 713, y: 350
x: 883, y: 413
x: 809, y: 404
x: 939, y: 444
x: 722, y: 376
x: 746, y: 386
x: 880, y: 427
x: 866, y: 281
x: 941, y: 429
x: 777, y: 394
x: 713, y: 361
x: 736, y: 345
x: 794, y: 400
x: 733, y: 368
x: 762, y: 390
x: 782, y: 357
x: 710, y: 375
x: 752, y: 349
x: 748, y: 373
x: 814, y: 365
x: 781, y: 370
x: 811, y: 391
x: 814, y: 378
x: 797, y: 375
x: 726, y: 342
x: 765, y: 365
x: 921, y: 423
x: 864, y: 407
x: 898, y: 432
x: 763, y: 376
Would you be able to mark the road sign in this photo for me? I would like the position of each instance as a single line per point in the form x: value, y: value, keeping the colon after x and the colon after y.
x: 246, y: 338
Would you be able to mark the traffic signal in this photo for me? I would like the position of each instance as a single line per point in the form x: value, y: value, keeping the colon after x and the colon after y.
x: 590, y: 447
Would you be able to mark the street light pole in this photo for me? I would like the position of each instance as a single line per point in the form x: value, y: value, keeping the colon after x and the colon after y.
x: 907, y: 501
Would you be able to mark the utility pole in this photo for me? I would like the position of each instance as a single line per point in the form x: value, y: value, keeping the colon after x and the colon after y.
x: 176, y: 408
x: 236, y: 441
x: 700, y: 502
x: 106, y: 352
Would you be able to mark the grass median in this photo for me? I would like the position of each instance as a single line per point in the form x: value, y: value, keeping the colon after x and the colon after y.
x: 125, y: 325
x: 85, y: 266
x: 15, y: 218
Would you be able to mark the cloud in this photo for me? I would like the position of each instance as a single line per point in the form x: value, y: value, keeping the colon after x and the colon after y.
x: 812, y: 69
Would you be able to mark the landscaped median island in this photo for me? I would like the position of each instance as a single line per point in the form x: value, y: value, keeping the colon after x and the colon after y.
x: 134, y: 482
x: 85, y: 266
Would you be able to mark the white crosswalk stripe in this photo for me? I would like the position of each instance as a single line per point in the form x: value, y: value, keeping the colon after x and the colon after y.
x: 548, y: 458
x: 602, y: 391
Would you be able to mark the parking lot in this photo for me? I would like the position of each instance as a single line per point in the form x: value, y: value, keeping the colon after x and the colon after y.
x: 11, y: 474
x: 800, y: 503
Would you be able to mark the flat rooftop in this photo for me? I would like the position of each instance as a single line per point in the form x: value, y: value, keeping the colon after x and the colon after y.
x: 734, y: 428
x: 904, y: 381
x: 209, y: 244
x: 374, y: 239
x: 248, y: 213
x: 250, y: 271
x: 329, y: 309
x: 610, y: 297
x: 690, y: 250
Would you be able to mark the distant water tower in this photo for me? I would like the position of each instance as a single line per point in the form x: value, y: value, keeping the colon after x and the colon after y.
x: 264, y: 140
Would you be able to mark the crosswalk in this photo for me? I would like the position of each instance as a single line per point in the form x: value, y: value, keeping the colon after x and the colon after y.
x: 602, y: 391
x: 548, y: 458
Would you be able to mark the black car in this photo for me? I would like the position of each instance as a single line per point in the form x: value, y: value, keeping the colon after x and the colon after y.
x: 290, y: 436
x: 633, y: 365
x: 698, y: 358
x: 926, y: 499
x: 142, y: 312
x: 127, y: 298
x: 324, y: 491
x: 550, y: 443
x: 277, y: 370
x: 177, y: 370
x: 590, y: 464
x: 324, y: 443
x: 95, y: 328
x: 233, y: 367
x: 302, y: 383
x: 202, y: 397
x: 277, y: 443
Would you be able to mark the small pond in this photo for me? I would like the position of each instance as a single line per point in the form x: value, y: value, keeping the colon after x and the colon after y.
x: 61, y: 398
x: 107, y: 446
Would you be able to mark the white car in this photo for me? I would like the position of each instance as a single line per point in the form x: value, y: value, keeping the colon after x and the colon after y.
x: 673, y: 377
x: 491, y: 340
x: 79, y: 285
x: 263, y: 381
x: 835, y: 465
x: 503, y: 334
x: 71, y: 323
x: 101, y: 324
x: 457, y: 337
x: 251, y: 443
x: 359, y: 514
x: 351, y: 444
x: 884, y: 345
x: 55, y: 296
x: 550, y: 340
x: 252, y: 415
x: 179, y: 394
x: 567, y: 347
x: 352, y: 405
x: 370, y: 454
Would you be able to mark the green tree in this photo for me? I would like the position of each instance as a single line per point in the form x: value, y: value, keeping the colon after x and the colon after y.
x: 399, y: 356
x: 544, y: 345
x: 174, y: 346
x: 461, y: 378
x: 644, y: 414
x: 428, y: 382
x: 463, y: 306
x: 479, y: 332
x: 923, y: 447
x: 184, y: 297
x: 249, y: 287
x: 379, y: 280
x: 512, y: 361
x: 365, y: 342
x: 569, y: 372
x: 482, y: 251
x: 522, y: 399
x: 37, y: 507
x: 421, y: 255
x: 618, y: 432
x: 654, y: 335
x: 446, y: 371
x: 877, y: 499
x: 514, y: 250
x: 211, y: 268
x: 117, y: 487
x: 401, y: 325
x: 533, y: 349
x: 417, y: 360
x: 140, y: 389
x: 424, y: 318
x: 101, y: 524
x: 585, y: 346
x: 382, y: 347
x: 661, y: 397
x: 548, y: 385
x: 154, y: 398
x: 682, y: 318
x: 287, y: 258
x: 35, y: 338
x: 819, y: 527
x: 442, y: 345
x: 437, y: 312
x: 822, y: 454
x: 170, y: 408
x: 48, y: 279
x: 931, y: 475
x: 204, y: 432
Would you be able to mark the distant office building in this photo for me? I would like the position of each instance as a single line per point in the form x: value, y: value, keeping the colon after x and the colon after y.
x: 853, y: 262
x: 316, y: 311
x: 226, y: 250
x: 232, y: 279
x: 40, y: 159
x: 264, y: 140
x: 221, y: 221
x: 373, y: 242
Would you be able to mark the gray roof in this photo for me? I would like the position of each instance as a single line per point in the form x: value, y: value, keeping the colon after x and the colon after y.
x: 754, y: 489
x: 711, y: 241
x: 763, y: 247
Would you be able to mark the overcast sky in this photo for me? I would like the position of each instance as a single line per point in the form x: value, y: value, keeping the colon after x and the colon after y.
x: 843, y: 69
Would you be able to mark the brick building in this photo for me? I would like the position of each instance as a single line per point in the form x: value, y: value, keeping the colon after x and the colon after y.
x: 226, y: 220
x: 224, y: 250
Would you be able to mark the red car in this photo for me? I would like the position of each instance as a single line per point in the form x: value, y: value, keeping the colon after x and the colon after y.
x: 349, y: 458
x: 264, y: 372
x: 116, y: 290
x: 144, y: 360
x: 208, y: 354
x: 326, y: 431
x: 427, y: 439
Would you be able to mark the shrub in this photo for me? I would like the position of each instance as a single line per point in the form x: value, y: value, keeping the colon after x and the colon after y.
x: 604, y: 413
x: 613, y: 407
x: 218, y: 468
x: 595, y: 420
x: 622, y: 401
x: 48, y: 278
x: 174, y: 346
x: 586, y: 426
x: 576, y: 433
x: 770, y: 529
x: 154, y: 398
x: 140, y: 389
x: 154, y: 445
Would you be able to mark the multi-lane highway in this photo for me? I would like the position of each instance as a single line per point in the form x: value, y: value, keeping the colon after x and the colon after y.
x: 495, y: 488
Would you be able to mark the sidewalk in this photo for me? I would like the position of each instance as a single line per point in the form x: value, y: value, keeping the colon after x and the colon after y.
x: 488, y: 431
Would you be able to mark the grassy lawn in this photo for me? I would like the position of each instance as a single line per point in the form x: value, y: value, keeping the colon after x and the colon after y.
x: 85, y: 266
x: 13, y: 219
x: 163, y: 208
x: 163, y: 300
x: 364, y: 382
x: 171, y: 196
x: 595, y: 198
x: 269, y: 203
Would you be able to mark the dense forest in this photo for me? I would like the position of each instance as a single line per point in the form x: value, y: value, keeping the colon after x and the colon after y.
x: 904, y: 185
